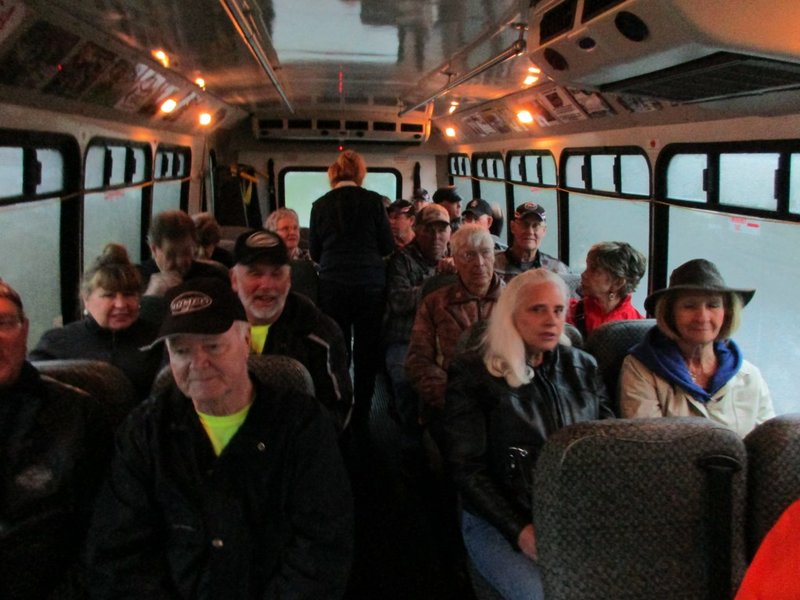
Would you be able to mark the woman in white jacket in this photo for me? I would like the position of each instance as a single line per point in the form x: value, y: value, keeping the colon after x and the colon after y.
x: 687, y: 365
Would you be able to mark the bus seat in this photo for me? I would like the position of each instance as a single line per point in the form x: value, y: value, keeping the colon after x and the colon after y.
x: 102, y: 380
x: 773, y: 450
x: 609, y: 344
x: 640, y: 509
x: 281, y: 373
x: 573, y: 335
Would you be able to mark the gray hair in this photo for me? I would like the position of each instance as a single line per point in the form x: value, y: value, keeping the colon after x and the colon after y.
x: 470, y: 235
x: 271, y: 223
x: 621, y: 260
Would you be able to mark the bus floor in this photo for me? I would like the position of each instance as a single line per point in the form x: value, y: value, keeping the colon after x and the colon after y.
x: 407, y: 543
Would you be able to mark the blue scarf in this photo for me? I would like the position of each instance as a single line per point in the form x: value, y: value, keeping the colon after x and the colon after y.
x: 661, y: 355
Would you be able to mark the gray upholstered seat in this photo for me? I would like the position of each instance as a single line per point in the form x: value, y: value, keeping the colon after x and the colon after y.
x: 641, y: 509
x: 773, y: 454
x: 102, y: 380
x: 609, y: 344
x: 282, y: 373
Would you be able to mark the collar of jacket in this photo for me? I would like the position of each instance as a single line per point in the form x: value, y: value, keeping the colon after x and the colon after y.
x: 459, y: 294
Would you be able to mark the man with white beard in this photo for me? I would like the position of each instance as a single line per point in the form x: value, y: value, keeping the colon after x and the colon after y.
x: 288, y: 323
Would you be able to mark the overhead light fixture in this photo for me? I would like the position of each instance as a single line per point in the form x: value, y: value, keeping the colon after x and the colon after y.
x: 453, y: 106
x: 161, y: 57
x: 450, y: 132
x: 251, y: 28
x: 204, y: 119
x: 525, y: 116
x: 515, y: 49
x: 200, y: 82
x: 168, y: 105
x: 533, y: 76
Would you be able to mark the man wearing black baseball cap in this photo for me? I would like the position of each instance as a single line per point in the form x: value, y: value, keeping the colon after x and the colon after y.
x: 401, y: 221
x: 285, y: 322
x: 451, y: 201
x: 221, y: 486
x: 528, y: 228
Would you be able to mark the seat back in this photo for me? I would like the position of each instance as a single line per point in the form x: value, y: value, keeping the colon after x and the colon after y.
x: 641, y: 509
x: 282, y: 373
x: 103, y: 381
x: 773, y: 454
x: 609, y: 344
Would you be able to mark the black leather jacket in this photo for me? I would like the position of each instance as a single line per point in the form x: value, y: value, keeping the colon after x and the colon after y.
x: 54, y: 451
x: 495, y: 432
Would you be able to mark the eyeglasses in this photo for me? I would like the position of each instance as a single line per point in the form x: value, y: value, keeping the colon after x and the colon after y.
x: 9, y: 323
x: 472, y: 255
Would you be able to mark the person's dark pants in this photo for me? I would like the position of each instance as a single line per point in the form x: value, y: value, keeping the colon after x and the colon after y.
x: 359, y: 312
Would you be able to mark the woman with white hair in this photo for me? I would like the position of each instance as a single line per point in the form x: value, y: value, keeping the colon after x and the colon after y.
x: 503, y: 401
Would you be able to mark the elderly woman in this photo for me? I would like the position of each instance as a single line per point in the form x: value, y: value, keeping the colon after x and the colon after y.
x: 112, y: 330
x: 286, y: 223
x: 349, y: 235
x: 446, y: 313
x: 503, y: 401
x: 613, y: 270
x: 687, y: 365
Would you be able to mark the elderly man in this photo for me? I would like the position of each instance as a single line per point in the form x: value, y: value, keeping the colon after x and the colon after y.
x: 284, y: 322
x: 528, y: 229
x: 448, y: 198
x: 446, y: 313
x: 479, y: 212
x: 221, y: 487
x: 54, y: 443
x: 401, y: 222
x: 408, y: 269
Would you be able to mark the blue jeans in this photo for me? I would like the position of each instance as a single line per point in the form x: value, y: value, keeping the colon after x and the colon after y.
x: 512, y: 574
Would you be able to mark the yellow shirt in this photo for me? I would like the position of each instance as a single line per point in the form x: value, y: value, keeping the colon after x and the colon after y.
x: 221, y: 429
x: 258, y: 337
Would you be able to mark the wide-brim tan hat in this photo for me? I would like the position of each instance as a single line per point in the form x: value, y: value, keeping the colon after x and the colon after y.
x: 698, y: 275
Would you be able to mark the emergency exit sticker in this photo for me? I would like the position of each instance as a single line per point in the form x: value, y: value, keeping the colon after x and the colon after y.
x: 745, y: 225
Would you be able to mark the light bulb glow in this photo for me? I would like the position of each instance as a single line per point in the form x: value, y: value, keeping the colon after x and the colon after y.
x: 200, y: 82
x: 450, y: 132
x: 525, y: 116
x: 161, y: 57
x: 204, y: 119
x: 168, y: 105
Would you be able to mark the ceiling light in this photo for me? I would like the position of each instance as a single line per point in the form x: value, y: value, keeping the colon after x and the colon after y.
x: 530, y: 80
x: 168, y: 105
x: 450, y: 132
x: 525, y: 116
x: 161, y: 57
x: 204, y: 119
x: 200, y: 82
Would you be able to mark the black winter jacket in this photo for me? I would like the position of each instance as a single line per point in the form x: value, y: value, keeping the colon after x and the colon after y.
x: 270, y: 517
x: 314, y: 339
x: 86, y: 339
x: 54, y: 450
x: 495, y: 432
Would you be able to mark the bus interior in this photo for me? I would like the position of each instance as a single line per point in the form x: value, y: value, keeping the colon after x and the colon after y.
x: 670, y: 124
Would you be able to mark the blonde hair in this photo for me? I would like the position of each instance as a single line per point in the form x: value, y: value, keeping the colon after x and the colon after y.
x: 665, y: 312
x: 503, y: 348
x: 349, y: 166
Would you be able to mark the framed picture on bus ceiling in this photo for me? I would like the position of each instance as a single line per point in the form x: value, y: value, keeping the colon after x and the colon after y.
x: 559, y: 103
x: 592, y: 103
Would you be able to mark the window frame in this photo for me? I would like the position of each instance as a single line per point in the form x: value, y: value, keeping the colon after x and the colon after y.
x: 617, y: 152
x: 523, y: 179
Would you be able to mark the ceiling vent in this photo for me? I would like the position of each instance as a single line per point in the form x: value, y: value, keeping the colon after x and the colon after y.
x: 713, y: 48
x: 383, y: 129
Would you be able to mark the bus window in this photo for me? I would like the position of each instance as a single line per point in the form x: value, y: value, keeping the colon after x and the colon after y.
x: 748, y: 180
x: 112, y: 207
x: 300, y: 188
x: 171, y: 173
x: 686, y: 177
x: 490, y: 172
x: 794, y: 184
x: 10, y: 172
x: 751, y: 253
x: 547, y: 198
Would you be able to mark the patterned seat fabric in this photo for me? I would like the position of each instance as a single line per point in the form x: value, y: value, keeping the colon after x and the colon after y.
x: 625, y: 509
x: 773, y: 450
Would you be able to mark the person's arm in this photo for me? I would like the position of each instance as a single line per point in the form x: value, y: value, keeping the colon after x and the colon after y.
x: 638, y: 397
x: 466, y: 451
x: 403, y: 296
x: 314, y: 240
x: 385, y: 238
x: 315, y: 564
x: 124, y: 554
x: 330, y: 370
x: 765, y: 409
x: 424, y: 372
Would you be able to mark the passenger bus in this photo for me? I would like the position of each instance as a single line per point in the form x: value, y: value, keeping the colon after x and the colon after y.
x: 673, y: 125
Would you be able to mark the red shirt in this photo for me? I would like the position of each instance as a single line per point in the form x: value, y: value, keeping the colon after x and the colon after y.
x: 594, y: 316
